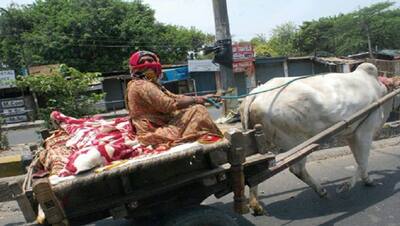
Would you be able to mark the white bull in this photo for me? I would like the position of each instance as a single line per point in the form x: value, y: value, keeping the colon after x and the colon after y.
x: 300, y: 110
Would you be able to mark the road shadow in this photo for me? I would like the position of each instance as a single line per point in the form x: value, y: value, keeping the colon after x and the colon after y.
x: 16, y: 224
x: 228, y: 209
x: 306, y: 204
x: 350, y: 203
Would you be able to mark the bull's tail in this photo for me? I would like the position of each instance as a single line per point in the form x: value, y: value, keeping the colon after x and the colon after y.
x: 245, y: 115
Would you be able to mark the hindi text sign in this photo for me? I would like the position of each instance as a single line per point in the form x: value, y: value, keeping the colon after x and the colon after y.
x: 243, y: 57
x: 7, y: 79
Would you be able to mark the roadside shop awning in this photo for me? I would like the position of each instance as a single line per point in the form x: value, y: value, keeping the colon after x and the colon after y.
x: 175, y: 74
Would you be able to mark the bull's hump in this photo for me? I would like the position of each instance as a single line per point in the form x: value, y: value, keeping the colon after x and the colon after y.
x: 368, y: 68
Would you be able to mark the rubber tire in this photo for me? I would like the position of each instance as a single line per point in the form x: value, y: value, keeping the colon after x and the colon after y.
x: 200, y: 216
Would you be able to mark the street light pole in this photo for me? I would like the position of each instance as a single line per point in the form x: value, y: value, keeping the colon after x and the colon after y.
x: 224, y: 56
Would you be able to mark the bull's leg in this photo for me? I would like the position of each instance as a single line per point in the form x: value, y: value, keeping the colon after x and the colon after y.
x: 254, y: 204
x: 360, y: 149
x: 300, y: 171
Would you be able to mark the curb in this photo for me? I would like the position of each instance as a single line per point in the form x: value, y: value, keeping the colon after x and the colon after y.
x: 13, y: 165
x: 23, y: 125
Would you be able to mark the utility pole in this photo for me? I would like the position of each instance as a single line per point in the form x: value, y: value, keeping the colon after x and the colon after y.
x: 371, y: 55
x: 365, y: 27
x: 224, y: 54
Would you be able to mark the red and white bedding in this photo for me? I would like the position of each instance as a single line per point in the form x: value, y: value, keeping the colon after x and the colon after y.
x: 96, y: 142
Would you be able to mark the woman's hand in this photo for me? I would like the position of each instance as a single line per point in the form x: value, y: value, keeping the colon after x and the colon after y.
x: 203, y: 99
x: 186, y: 101
x: 215, y: 97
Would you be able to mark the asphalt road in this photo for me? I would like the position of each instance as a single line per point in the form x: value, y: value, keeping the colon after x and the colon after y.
x: 290, y: 202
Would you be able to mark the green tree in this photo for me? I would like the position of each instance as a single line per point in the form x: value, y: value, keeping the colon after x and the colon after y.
x: 259, y: 39
x: 90, y: 35
x: 374, y: 25
x: 177, y: 41
x: 283, y: 39
x: 316, y: 36
x: 281, y: 42
x: 349, y: 33
x: 66, y: 90
x: 13, y: 23
x: 261, y: 46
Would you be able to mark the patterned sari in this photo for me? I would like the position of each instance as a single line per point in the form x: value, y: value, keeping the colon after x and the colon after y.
x: 159, y: 122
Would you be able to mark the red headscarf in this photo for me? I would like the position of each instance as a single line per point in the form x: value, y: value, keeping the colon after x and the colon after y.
x: 138, y: 64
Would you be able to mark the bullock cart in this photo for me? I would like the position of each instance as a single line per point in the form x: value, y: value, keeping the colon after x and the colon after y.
x: 171, y: 184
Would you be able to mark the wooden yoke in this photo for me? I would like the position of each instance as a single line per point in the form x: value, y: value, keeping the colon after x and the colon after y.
x: 236, y: 157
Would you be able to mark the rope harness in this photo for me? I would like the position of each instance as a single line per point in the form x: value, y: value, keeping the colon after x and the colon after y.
x: 226, y: 97
x: 267, y: 90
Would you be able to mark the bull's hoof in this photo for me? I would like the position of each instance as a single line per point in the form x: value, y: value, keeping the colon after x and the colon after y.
x: 371, y: 182
x: 345, y: 187
x: 258, y: 210
x: 323, y: 194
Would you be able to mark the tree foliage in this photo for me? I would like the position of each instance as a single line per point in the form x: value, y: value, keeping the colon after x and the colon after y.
x: 283, y: 38
x: 66, y: 90
x: 281, y: 42
x: 342, y: 34
x: 261, y: 46
x: 347, y: 33
x: 90, y: 35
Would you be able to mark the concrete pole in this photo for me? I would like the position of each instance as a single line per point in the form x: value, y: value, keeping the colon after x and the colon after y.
x: 218, y: 81
x: 371, y: 55
x: 366, y: 28
x: 222, y: 34
x: 286, y: 68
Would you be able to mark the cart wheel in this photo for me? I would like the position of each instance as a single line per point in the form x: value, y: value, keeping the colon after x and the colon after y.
x: 200, y: 216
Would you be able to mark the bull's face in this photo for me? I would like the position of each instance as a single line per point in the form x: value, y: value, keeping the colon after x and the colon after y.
x: 394, y: 83
x: 396, y: 103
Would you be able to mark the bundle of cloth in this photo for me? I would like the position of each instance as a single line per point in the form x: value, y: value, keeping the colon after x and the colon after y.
x: 83, y: 144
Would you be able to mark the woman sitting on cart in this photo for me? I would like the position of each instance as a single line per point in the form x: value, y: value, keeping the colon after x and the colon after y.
x: 161, y: 118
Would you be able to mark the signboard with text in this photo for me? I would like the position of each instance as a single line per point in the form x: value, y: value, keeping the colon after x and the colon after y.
x: 243, y: 57
x: 43, y: 69
x: 12, y: 103
x: 15, y: 119
x: 14, y: 111
x: 202, y: 66
x: 7, y: 79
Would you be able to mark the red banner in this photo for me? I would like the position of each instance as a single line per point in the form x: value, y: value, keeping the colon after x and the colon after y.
x: 243, y: 58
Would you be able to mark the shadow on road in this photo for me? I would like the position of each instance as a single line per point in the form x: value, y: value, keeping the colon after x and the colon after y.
x: 16, y: 224
x: 227, y: 208
x: 358, y: 199
x: 307, y: 204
